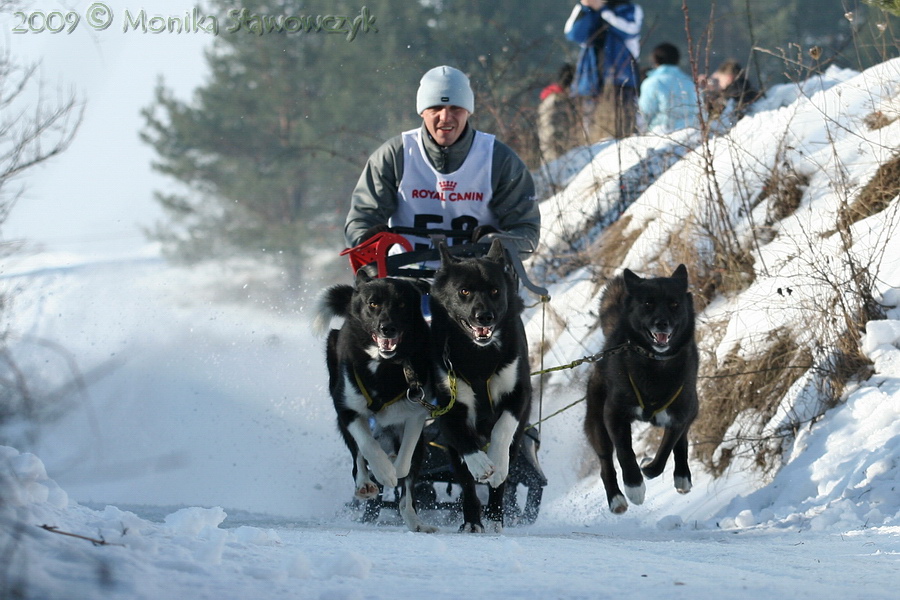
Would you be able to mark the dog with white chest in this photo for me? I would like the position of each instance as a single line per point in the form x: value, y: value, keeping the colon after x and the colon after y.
x: 482, y: 379
x: 379, y: 379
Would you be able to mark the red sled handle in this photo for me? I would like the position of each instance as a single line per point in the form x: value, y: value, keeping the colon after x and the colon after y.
x: 375, y: 249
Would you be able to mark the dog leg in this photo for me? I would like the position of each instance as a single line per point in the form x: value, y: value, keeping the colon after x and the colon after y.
x: 598, y: 437
x: 654, y: 468
x: 409, y: 513
x: 501, y: 439
x: 411, y: 432
x: 381, y: 466
x: 493, y: 512
x: 365, y: 487
x: 471, y: 503
x: 614, y: 497
x: 620, y: 433
x: 682, y: 470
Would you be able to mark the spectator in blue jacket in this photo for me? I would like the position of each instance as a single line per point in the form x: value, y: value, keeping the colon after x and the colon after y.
x: 606, y: 74
x: 668, y: 99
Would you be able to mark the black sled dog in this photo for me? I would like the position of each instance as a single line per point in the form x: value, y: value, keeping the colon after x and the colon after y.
x: 648, y: 373
x: 378, y: 364
x: 482, y: 376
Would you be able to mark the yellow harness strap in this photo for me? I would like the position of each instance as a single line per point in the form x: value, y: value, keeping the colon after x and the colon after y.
x: 452, y: 381
x: 368, y: 397
x: 640, y: 398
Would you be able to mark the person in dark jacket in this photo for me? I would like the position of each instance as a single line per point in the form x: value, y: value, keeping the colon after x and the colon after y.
x: 445, y: 175
x: 606, y: 74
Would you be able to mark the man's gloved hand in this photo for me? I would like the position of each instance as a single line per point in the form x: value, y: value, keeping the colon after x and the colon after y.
x: 373, y: 231
x: 483, y: 230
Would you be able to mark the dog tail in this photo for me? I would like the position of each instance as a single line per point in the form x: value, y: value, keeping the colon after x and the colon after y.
x: 611, y: 305
x: 333, y: 302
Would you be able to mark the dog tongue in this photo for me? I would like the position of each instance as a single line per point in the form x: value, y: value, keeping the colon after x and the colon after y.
x: 661, y: 337
x: 386, y: 344
x: 483, y: 332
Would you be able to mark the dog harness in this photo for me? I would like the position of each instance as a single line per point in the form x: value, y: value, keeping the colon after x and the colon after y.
x: 378, y: 405
x: 647, y: 415
x: 415, y: 393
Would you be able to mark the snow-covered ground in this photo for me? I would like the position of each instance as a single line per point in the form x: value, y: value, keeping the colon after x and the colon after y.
x: 201, y: 446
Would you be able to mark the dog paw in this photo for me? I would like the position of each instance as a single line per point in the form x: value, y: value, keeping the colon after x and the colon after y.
x: 650, y: 470
x: 383, y: 470
x: 366, y: 491
x: 480, y: 466
x: 416, y: 525
x: 636, y: 494
x: 401, y: 470
x: 411, y: 517
x: 683, y: 485
x: 471, y: 528
x: 497, y: 478
x: 501, y: 469
x: 491, y: 526
x: 618, y: 504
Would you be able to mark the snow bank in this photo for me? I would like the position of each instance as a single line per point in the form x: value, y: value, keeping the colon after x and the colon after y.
x: 38, y: 521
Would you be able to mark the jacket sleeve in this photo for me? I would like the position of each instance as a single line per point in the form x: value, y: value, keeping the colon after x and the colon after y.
x: 374, y: 198
x: 648, y: 99
x: 581, y: 24
x: 514, y: 200
x: 627, y: 23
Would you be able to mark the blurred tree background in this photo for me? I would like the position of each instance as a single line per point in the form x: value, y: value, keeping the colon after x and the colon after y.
x: 270, y: 147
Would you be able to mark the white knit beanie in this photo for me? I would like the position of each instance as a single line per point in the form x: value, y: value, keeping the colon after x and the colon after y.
x: 445, y: 86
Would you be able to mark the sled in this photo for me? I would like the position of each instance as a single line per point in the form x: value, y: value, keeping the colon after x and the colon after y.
x: 436, y: 488
x: 374, y: 255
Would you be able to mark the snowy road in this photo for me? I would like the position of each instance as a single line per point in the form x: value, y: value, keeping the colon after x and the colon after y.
x: 239, y: 419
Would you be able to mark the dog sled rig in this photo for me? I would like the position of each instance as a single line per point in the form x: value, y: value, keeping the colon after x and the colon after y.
x: 436, y: 487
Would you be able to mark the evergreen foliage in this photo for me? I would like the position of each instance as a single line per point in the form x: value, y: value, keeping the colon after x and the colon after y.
x: 891, y: 6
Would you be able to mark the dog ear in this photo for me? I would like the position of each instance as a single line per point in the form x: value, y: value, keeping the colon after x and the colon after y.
x: 496, y: 252
x: 630, y: 279
x: 362, y: 277
x: 681, y: 277
x: 446, y: 257
x: 680, y: 272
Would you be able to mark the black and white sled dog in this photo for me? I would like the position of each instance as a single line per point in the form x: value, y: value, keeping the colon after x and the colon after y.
x: 482, y: 376
x: 648, y: 373
x: 378, y: 363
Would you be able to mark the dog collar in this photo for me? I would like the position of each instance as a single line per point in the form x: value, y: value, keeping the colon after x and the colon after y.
x: 647, y: 354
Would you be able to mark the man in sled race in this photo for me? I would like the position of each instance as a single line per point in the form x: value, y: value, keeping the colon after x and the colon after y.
x: 450, y: 192
x: 445, y: 175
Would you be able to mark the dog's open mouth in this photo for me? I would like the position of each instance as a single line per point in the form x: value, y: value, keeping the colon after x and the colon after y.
x: 387, y: 346
x: 480, y: 335
x: 660, y: 339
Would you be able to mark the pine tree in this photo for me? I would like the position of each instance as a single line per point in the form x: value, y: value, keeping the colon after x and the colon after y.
x: 243, y: 149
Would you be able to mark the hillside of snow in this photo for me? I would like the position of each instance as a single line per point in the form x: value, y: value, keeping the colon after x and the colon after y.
x: 191, y: 436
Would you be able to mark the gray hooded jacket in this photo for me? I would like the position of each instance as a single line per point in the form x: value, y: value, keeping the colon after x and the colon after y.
x: 376, y: 195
